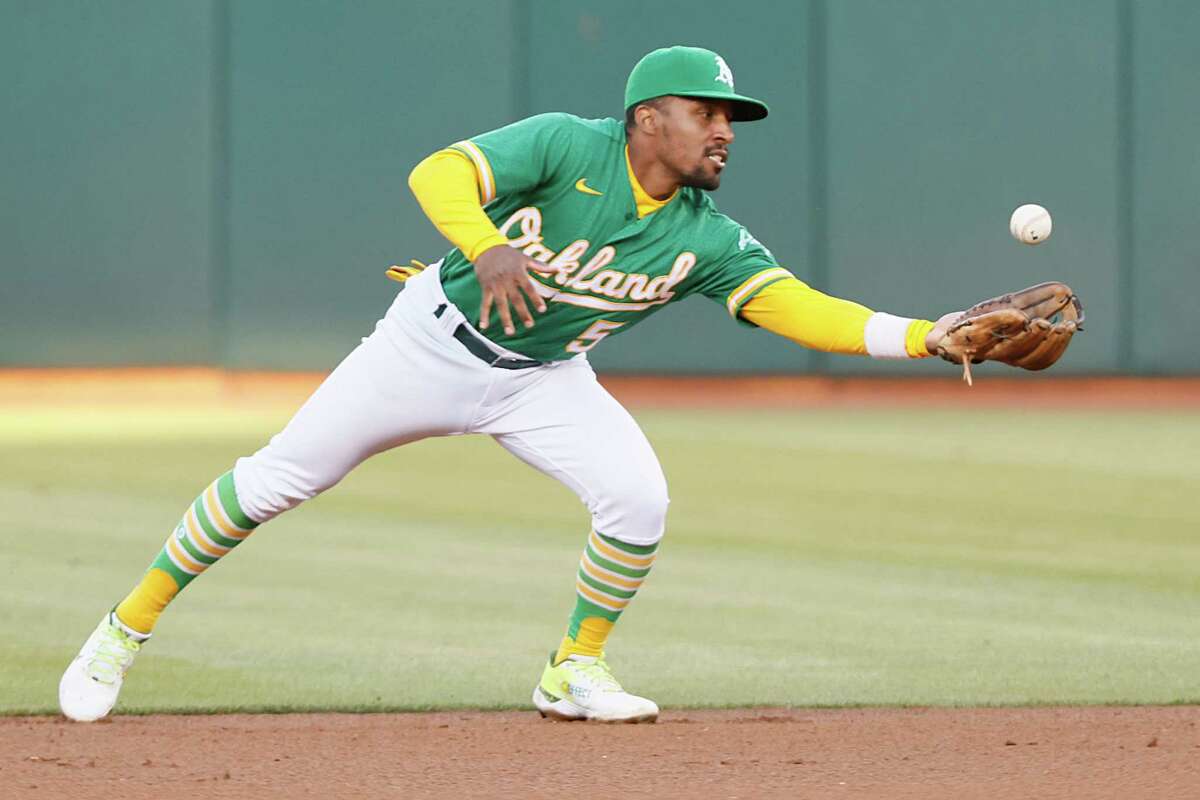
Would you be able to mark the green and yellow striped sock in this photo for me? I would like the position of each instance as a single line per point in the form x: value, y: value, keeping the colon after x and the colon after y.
x: 610, y: 574
x: 211, y: 527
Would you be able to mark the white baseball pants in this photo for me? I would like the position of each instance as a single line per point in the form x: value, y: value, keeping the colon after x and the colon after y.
x: 411, y: 379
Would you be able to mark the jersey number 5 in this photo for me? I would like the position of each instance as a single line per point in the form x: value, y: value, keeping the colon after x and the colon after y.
x: 592, y: 336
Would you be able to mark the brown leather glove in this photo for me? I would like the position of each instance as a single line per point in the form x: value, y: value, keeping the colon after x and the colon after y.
x: 1029, y: 329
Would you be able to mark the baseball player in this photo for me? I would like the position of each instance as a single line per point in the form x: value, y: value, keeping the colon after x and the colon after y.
x: 566, y: 231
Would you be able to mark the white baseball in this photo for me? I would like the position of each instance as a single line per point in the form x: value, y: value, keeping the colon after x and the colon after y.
x: 1030, y: 224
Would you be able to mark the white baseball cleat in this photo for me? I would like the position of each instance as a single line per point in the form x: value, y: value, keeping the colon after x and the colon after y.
x: 582, y: 687
x: 89, y: 688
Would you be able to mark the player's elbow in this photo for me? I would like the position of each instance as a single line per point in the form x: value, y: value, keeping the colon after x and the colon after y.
x: 419, y: 178
x: 444, y: 173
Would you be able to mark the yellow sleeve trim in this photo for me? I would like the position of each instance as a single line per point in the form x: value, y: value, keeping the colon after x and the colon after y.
x: 914, y: 340
x: 754, y: 283
x: 483, y: 169
x: 796, y: 311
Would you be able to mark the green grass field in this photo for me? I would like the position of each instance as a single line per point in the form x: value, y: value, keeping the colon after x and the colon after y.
x: 812, y: 558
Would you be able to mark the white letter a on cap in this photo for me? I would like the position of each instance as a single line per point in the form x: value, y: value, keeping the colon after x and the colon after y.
x: 724, y: 73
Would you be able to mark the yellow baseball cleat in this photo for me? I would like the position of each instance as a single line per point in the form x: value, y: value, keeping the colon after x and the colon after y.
x: 583, y: 687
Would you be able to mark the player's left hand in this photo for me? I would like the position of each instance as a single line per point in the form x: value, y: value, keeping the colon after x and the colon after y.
x: 939, y: 330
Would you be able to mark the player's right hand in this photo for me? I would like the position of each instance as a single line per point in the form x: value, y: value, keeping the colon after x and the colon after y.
x: 503, y: 274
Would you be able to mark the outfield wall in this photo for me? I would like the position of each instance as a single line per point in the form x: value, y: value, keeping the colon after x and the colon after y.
x: 223, y: 182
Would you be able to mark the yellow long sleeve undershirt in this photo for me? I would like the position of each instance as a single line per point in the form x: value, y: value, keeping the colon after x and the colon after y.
x: 447, y: 188
x: 794, y: 310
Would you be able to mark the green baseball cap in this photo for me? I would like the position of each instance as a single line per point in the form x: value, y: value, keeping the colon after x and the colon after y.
x: 689, y: 72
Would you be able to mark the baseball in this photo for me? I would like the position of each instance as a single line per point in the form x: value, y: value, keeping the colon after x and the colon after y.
x: 1030, y: 224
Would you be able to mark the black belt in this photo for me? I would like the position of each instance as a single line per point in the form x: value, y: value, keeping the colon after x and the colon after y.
x: 476, y: 347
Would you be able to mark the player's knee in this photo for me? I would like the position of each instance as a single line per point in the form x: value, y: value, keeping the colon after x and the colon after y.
x: 267, y: 484
x: 635, y: 512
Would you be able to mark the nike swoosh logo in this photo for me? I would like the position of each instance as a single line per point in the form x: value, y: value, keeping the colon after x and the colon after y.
x: 582, y: 186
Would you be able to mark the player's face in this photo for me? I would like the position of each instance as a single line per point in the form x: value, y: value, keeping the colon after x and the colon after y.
x: 695, y: 140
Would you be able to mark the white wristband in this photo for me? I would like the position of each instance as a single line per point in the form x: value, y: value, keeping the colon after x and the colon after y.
x: 885, y: 335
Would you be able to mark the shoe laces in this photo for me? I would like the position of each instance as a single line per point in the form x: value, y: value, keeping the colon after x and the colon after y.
x: 599, y: 674
x: 114, y: 655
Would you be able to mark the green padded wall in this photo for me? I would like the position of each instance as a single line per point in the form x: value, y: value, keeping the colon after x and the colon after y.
x: 224, y: 182
x: 1164, y: 282
x: 106, y: 229
x: 331, y: 106
x: 940, y: 124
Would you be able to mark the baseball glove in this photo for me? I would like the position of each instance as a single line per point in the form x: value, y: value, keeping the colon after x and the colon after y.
x: 1029, y: 329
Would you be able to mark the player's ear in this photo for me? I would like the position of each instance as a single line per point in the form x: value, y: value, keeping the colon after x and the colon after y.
x: 647, y: 119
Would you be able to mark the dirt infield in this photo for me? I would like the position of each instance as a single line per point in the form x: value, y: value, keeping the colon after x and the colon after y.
x: 207, y: 386
x: 1094, y: 753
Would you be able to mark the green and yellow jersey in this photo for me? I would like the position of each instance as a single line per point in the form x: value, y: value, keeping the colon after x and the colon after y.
x: 558, y: 188
x: 561, y: 189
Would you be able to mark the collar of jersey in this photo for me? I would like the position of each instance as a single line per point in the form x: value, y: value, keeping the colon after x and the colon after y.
x: 646, y: 205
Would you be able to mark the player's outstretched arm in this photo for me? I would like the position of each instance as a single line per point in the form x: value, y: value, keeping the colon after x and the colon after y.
x: 794, y: 310
x: 446, y: 186
x: 1029, y: 329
